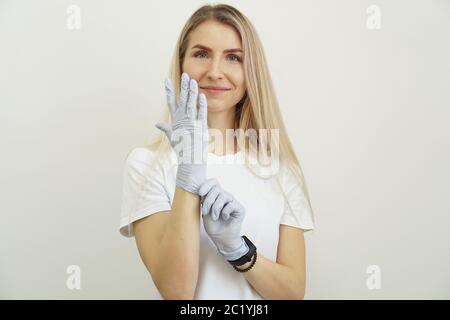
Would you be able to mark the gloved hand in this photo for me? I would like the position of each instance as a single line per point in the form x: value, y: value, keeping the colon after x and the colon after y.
x: 222, y: 218
x: 191, y: 127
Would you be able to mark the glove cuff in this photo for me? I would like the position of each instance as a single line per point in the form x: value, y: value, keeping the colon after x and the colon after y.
x: 187, y: 187
x: 189, y: 177
x: 236, y: 254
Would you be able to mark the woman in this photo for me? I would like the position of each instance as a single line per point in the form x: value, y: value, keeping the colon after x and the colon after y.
x: 221, y: 227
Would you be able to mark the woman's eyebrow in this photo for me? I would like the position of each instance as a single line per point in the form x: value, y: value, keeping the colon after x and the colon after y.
x: 209, y: 49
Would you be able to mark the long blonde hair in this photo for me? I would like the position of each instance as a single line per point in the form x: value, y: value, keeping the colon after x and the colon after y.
x: 259, y: 107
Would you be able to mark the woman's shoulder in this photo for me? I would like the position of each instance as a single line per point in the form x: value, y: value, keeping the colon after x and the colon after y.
x: 145, y: 155
x: 141, y: 154
x: 286, y: 174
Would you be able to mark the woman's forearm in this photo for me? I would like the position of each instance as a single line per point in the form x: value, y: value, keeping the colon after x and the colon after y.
x: 180, y: 246
x: 274, y: 281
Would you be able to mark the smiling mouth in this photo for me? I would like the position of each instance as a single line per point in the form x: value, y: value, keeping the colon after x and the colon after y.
x: 215, y: 91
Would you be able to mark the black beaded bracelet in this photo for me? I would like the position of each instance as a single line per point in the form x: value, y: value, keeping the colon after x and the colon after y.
x: 249, y: 267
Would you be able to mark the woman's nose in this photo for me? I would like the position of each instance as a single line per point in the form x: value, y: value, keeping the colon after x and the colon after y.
x: 215, y: 70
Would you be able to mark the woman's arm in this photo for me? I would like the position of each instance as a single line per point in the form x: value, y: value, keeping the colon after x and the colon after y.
x: 169, y: 246
x: 284, y: 279
x: 180, y: 246
x: 175, y: 270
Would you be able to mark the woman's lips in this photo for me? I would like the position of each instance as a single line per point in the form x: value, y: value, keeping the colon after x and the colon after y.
x: 215, y: 91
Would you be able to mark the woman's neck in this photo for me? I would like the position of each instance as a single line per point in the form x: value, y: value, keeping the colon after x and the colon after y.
x: 221, y: 132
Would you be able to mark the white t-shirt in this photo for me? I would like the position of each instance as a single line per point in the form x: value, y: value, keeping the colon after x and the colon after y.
x: 150, y: 189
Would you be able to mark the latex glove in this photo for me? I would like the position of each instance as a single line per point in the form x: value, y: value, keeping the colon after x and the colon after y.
x: 188, y: 134
x: 222, y: 218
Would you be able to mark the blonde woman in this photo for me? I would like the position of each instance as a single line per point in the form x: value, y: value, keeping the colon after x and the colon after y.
x: 226, y: 226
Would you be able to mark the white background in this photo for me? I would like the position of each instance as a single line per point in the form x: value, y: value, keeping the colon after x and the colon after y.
x: 367, y: 111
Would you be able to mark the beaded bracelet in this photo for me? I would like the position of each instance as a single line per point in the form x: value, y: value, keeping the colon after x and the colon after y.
x: 249, y: 267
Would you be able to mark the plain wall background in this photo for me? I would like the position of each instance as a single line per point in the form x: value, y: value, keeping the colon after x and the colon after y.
x: 367, y: 111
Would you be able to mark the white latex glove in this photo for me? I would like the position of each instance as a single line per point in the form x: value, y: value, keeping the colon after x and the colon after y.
x: 188, y: 134
x: 222, y: 218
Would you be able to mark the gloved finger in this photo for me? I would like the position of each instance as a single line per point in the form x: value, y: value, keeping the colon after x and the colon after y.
x: 210, y: 199
x: 207, y: 186
x: 191, y: 108
x: 235, y: 210
x: 218, y: 206
x: 184, y: 91
x: 228, y: 199
x: 227, y: 210
x: 164, y: 127
x: 203, y: 110
x: 171, y: 98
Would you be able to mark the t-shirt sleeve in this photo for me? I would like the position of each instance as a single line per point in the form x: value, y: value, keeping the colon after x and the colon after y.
x: 296, y: 211
x: 144, y: 191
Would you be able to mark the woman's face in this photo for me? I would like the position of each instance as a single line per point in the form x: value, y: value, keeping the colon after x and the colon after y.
x: 207, y: 61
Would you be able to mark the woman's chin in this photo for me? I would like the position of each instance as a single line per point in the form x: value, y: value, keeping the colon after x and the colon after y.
x: 214, y: 108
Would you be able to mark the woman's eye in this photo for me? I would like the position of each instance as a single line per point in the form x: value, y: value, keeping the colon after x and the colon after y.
x: 201, y: 53
x: 237, y: 57
x: 198, y: 53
